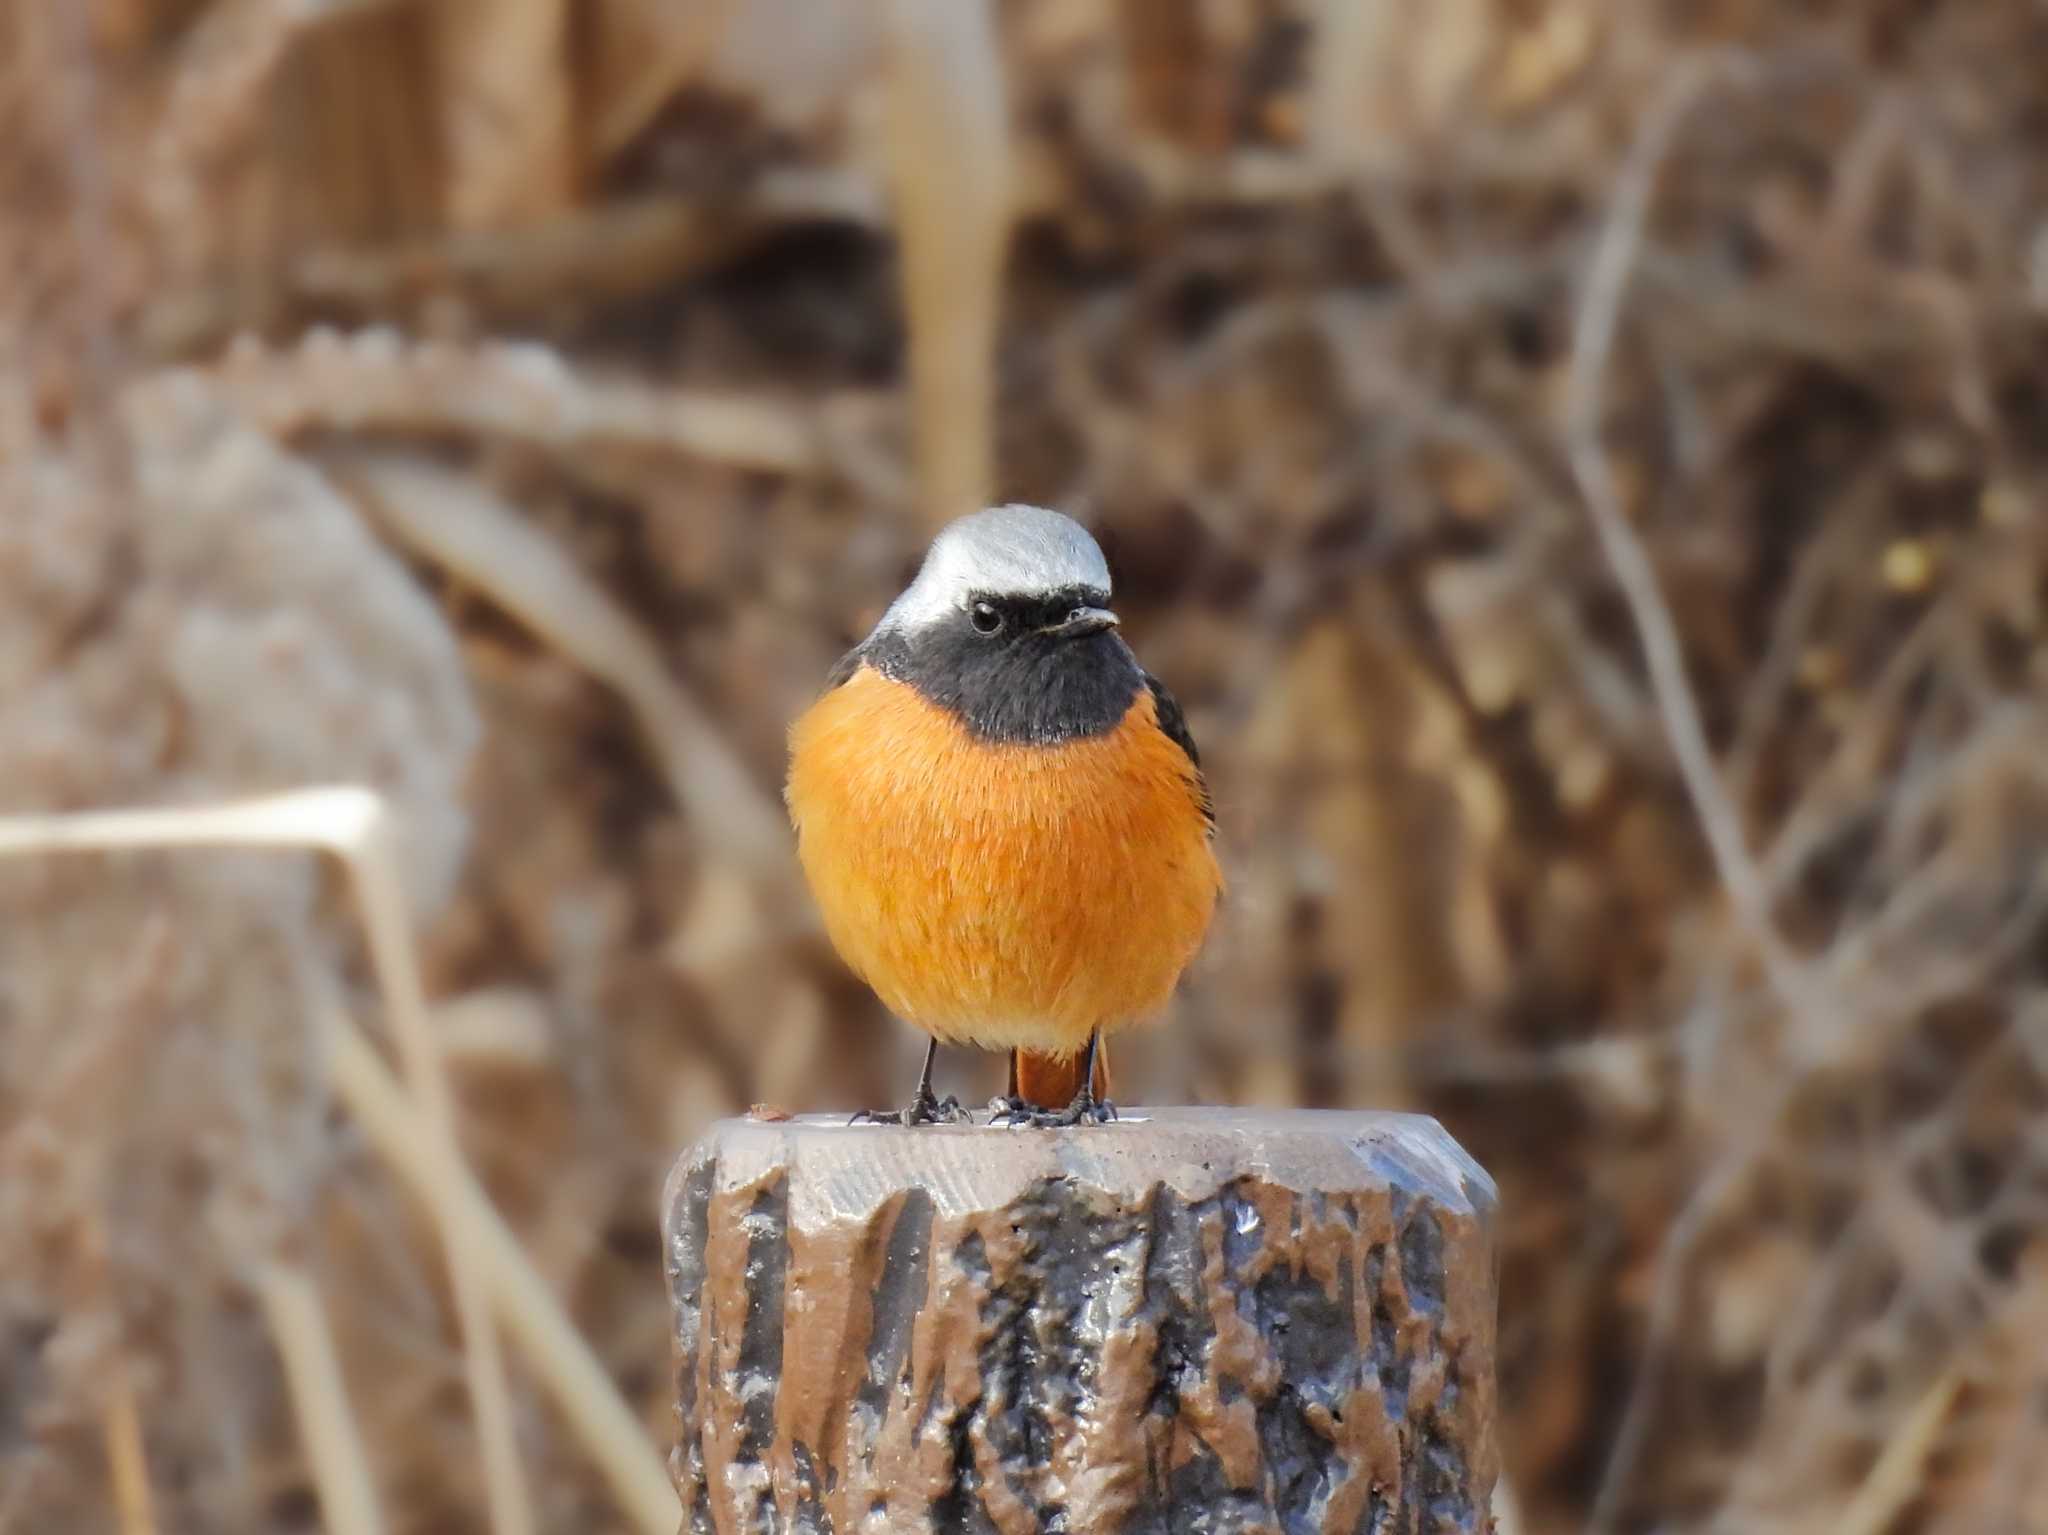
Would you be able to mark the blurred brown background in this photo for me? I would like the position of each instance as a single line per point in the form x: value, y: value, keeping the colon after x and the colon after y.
x: 517, y: 405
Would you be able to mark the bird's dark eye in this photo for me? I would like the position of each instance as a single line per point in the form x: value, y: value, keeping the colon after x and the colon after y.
x: 985, y: 618
x: 1075, y: 615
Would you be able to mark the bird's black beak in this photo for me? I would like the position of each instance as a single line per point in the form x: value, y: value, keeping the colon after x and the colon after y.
x: 1082, y: 621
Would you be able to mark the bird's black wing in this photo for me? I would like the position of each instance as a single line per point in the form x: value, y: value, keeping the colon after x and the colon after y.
x: 847, y: 665
x: 1175, y: 724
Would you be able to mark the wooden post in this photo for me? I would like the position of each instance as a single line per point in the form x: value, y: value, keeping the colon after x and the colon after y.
x: 1191, y: 1322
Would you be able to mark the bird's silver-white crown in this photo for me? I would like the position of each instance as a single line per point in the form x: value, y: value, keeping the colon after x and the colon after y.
x: 1009, y: 551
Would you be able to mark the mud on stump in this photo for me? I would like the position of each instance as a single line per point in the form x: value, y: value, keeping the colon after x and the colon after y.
x: 1194, y: 1321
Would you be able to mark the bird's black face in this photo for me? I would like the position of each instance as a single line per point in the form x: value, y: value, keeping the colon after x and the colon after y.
x: 1039, y: 668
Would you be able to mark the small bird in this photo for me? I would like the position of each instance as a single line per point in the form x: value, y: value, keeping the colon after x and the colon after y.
x: 1002, y: 815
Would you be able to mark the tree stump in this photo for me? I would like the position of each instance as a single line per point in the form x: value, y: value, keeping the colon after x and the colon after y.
x: 1192, y: 1321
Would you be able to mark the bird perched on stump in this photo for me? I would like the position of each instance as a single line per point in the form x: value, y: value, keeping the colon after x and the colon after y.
x: 1003, y: 817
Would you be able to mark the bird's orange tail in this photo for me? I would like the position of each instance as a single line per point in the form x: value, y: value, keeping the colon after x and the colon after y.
x: 1050, y: 1081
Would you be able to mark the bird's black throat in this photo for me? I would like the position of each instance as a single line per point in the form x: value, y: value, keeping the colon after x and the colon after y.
x: 1021, y: 684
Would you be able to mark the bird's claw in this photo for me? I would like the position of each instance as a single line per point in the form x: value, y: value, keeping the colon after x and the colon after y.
x: 1086, y: 1109
x: 938, y: 1111
x: 923, y: 1110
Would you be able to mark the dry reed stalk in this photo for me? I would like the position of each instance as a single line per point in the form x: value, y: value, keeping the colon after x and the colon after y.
x: 127, y: 1459
x: 120, y: 1419
x: 327, y: 1425
x: 563, y: 1364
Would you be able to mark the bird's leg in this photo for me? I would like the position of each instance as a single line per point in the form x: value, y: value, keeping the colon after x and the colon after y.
x: 1083, y: 1109
x: 925, y: 1108
x: 1086, y: 1107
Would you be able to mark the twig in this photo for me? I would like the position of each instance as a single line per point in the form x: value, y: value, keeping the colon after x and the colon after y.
x: 1820, y: 562
x: 563, y: 1364
x: 327, y: 1426
x: 353, y: 824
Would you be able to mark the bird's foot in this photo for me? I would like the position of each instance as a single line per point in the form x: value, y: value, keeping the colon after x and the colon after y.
x: 937, y: 1111
x: 924, y: 1110
x: 1085, y: 1109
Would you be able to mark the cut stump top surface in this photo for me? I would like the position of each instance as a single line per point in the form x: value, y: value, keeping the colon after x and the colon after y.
x: 842, y: 1170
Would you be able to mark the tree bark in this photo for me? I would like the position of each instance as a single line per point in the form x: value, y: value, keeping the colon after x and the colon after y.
x: 1192, y: 1321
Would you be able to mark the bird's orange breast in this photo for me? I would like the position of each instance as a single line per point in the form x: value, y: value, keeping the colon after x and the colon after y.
x: 1001, y: 894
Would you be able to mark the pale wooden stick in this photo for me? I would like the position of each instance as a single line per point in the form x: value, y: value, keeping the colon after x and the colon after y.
x: 353, y: 824
x: 563, y: 1364
x: 327, y: 1427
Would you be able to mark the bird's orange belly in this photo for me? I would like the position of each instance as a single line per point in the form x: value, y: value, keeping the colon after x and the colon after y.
x: 1001, y: 895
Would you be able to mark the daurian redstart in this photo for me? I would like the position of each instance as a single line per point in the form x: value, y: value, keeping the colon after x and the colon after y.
x: 1002, y: 815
